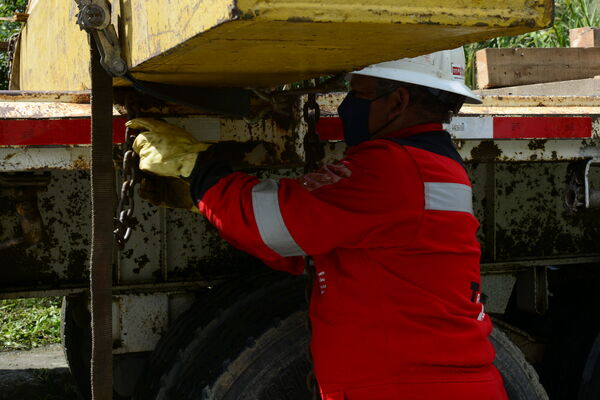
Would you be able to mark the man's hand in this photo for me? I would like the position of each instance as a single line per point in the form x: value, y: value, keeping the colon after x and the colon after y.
x: 165, y: 149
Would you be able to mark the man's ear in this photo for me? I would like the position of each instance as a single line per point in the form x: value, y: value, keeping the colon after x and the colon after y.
x: 399, y: 100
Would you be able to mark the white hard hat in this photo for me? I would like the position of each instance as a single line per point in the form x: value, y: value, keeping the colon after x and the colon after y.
x: 444, y: 70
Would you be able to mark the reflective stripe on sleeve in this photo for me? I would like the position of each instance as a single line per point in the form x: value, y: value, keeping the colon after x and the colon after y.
x: 271, y: 226
x: 447, y: 196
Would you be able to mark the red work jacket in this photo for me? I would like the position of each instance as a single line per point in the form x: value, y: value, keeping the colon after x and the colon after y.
x: 395, y: 310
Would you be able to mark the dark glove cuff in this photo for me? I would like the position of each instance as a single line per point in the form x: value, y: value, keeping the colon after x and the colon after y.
x: 206, y: 173
x: 218, y: 161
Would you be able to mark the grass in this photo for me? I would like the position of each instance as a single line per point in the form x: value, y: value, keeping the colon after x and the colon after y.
x: 569, y: 14
x: 29, y: 323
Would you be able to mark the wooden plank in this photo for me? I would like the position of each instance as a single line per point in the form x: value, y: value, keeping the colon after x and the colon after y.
x: 515, y: 67
x: 18, y: 17
x: 580, y: 87
x: 584, y: 37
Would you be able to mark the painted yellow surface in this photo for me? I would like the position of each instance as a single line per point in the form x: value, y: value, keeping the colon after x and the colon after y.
x: 152, y: 27
x: 262, y: 43
x: 54, y: 52
x: 500, y: 13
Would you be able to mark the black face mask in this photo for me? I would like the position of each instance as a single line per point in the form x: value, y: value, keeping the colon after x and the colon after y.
x: 354, y: 113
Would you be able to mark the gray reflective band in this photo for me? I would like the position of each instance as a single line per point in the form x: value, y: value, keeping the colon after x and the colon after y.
x: 271, y: 226
x: 448, y: 197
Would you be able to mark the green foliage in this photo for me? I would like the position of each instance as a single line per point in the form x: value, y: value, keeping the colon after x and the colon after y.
x: 569, y: 14
x: 27, y: 323
x: 7, y: 9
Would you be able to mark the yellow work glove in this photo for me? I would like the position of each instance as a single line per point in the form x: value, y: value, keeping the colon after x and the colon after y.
x: 165, y: 149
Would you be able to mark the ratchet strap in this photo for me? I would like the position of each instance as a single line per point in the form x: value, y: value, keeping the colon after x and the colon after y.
x: 101, y: 254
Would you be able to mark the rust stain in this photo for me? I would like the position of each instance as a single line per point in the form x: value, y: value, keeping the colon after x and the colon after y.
x: 81, y: 164
x: 64, y: 97
x: 486, y: 151
x: 537, y: 144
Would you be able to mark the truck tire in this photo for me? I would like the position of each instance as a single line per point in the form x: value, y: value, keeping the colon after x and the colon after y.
x: 233, y: 357
x: 217, y: 328
x: 76, y: 339
x: 521, y: 381
x: 589, y: 388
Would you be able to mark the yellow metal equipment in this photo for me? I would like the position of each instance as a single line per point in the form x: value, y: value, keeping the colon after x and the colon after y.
x: 259, y: 42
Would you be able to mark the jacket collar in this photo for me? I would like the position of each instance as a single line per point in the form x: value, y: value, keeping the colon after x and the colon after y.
x: 415, y: 129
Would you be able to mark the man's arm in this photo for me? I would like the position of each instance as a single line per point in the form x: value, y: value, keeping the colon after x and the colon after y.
x: 351, y: 205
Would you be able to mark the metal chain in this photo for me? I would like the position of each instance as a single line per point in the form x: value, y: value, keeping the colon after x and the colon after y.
x: 311, y: 380
x: 312, y: 144
x: 311, y: 114
x: 123, y: 221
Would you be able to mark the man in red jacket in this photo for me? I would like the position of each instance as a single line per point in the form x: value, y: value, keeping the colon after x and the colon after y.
x: 395, y: 310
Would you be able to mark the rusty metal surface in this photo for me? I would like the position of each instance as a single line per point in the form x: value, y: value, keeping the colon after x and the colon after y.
x: 190, y: 286
x: 45, y: 96
x: 30, y: 110
x: 29, y: 158
x: 169, y: 246
x: 534, y: 110
x: 500, y: 286
x: 535, y: 101
x: 520, y: 265
x: 504, y: 150
x: 32, y: 225
x: 533, y: 150
x: 582, y: 87
x: 42, y: 110
x: 530, y: 218
x: 139, y: 321
x: 503, y: 105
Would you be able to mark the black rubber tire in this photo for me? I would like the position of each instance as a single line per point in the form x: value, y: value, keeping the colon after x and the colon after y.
x: 76, y: 338
x: 589, y: 388
x: 76, y: 341
x: 196, y: 349
x: 243, y: 354
x: 568, y: 351
x: 521, y: 381
x: 275, y: 367
x: 260, y: 372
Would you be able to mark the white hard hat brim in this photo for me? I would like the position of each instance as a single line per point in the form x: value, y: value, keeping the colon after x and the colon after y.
x: 422, y: 79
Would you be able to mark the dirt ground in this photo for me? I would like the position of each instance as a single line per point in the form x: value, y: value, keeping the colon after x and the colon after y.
x: 38, y: 374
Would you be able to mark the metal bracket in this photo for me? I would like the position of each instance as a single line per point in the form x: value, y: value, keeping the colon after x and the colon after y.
x: 25, y: 188
x: 94, y: 18
x: 592, y: 197
x: 579, y: 193
x: 532, y: 290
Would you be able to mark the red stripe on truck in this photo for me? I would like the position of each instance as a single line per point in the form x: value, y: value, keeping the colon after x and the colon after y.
x: 546, y: 127
x: 542, y: 127
x: 40, y: 132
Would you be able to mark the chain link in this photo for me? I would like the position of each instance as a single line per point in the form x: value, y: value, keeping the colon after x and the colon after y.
x: 123, y: 221
x: 312, y: 145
